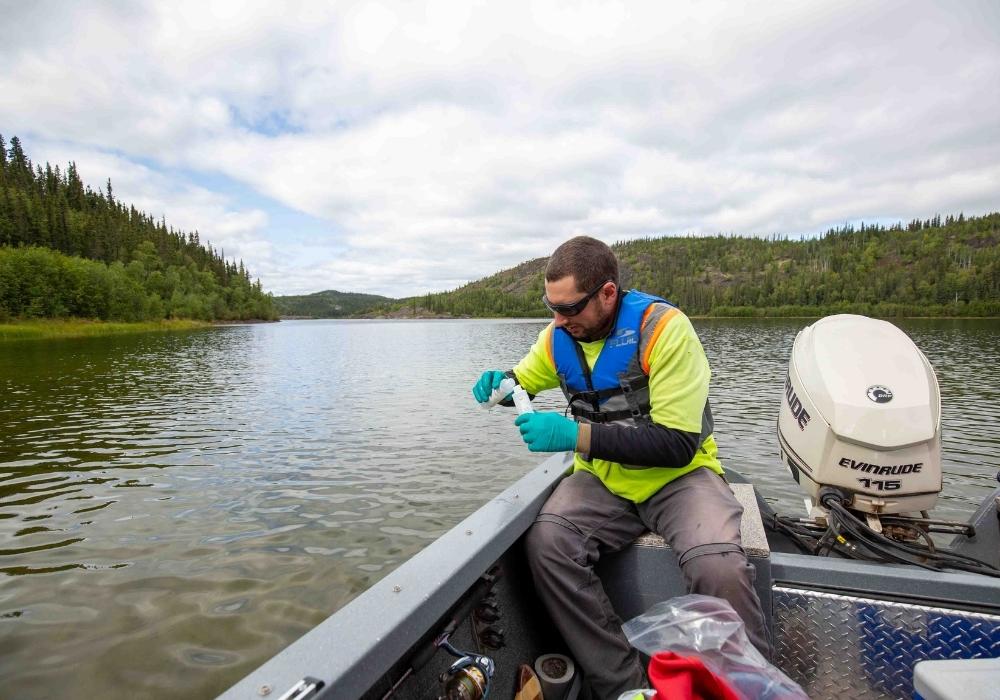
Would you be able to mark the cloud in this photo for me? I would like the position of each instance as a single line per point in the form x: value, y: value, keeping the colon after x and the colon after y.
x: 429, y: 144
x: 238, y: 232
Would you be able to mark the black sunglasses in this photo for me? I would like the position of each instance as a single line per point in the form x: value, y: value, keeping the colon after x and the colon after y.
x: 576, y: 307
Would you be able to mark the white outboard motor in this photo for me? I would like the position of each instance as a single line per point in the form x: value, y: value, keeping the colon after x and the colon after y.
x: 861, y: 412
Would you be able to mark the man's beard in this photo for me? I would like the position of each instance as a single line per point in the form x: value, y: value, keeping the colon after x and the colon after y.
x: 597, y: 334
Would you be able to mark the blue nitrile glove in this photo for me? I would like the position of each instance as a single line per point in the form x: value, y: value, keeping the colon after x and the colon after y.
x: 547, y: 432
x: 487, y: 384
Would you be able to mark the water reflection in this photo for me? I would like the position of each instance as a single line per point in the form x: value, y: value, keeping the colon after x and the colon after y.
x: 174, y: 509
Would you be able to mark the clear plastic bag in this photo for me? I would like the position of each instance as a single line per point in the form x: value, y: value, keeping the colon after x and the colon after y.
x: 638, y: 694
x: 709, y: 628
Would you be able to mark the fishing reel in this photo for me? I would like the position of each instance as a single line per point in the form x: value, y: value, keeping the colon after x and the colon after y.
x: 469, y: 677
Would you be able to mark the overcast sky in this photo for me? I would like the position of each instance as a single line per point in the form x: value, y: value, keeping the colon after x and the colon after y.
x: 401, y: 148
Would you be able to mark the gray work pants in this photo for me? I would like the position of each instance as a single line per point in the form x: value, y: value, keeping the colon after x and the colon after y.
x: 699, y: 518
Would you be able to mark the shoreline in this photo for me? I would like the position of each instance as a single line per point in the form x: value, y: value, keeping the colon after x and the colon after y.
x: 53, y: 329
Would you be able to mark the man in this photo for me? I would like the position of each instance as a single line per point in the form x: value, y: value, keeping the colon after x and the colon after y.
x: 636, y: 379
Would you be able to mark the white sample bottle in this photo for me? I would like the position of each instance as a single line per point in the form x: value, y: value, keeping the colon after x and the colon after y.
x: 521, y: 400
x: 507, y: 385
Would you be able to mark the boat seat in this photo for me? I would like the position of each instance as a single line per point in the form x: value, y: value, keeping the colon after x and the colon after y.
x: 751, y: 526
x: 647, y: 572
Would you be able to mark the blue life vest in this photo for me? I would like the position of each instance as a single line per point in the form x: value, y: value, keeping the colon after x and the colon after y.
x: 617, y: 388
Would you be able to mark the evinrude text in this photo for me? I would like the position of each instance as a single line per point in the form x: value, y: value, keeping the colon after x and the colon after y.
x: 870, y: 468
x: 795, y: 406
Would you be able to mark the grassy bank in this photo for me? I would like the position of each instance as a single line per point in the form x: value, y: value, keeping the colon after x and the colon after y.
x: 37, y: 329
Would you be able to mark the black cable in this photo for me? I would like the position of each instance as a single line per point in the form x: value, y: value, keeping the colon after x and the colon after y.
x: 800, y: 535
x: 895, y: 550
x: 885, y: 547
x: 807, y: 539
x: 849, y: 536
x: 887, y: 552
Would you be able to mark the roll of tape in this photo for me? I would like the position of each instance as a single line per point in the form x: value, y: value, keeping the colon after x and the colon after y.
x: 555, y: 671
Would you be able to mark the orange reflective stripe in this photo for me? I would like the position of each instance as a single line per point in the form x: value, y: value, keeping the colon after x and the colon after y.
x: 645, y: 317
x: 660, y: 325
x: 548, y: 347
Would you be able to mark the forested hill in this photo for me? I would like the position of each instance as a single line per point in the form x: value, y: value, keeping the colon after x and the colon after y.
x: 68, y: 250
x: 932, y: 267
x: 328, y: 304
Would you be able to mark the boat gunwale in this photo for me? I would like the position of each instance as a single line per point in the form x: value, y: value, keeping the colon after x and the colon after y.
x: 901, y: 583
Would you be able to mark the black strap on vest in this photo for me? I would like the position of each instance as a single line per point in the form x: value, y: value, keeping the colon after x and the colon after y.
x: 590, y: 395
x: 635, y: 410
x: 608, y: 416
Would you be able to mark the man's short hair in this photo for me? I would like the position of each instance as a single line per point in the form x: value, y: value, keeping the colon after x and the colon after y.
x: 590, y: 261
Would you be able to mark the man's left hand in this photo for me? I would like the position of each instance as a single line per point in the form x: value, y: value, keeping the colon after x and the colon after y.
x: 547, y: 432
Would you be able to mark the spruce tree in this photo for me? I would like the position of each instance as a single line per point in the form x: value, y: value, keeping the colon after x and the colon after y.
x: 20, y: 166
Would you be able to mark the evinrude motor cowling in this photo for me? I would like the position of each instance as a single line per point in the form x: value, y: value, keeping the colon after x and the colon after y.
x: 861, y: 412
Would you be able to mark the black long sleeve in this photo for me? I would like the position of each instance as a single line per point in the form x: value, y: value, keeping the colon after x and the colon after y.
x: 649, y: 445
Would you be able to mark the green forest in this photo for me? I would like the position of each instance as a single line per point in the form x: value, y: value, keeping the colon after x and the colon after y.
x: 67, y: 250
x: 930, y: 267
x: 328, y: 304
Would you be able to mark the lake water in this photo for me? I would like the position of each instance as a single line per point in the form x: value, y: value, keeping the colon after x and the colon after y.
x: 177, y: 508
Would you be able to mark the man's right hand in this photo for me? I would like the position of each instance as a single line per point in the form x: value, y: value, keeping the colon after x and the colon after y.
x: 487, y: 384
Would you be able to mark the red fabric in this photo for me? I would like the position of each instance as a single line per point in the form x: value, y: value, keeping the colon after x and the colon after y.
x: 686, y: 678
